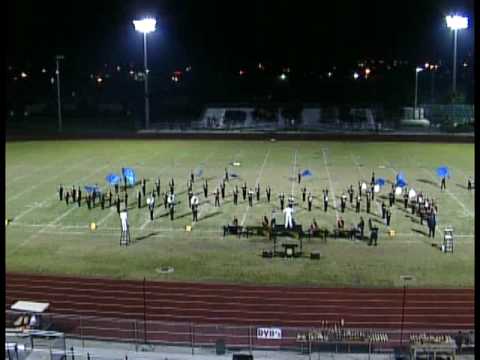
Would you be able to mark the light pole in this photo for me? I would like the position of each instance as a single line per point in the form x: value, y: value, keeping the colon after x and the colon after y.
x: 145, y: 26
x: 59, y: 101
x: 405, y: 278
x: 433, y: 68
x: 456, y: 23
x: 417, y: 70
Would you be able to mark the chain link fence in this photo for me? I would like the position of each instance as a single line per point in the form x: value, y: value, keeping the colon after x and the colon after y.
x: 139, y: 334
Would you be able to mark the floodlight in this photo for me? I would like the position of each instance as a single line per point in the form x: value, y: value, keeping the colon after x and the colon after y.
x: 355, y: 76
x: 457, y: 22
x: 283, y: 77
x: 418, y: 69
x: 145, y: 26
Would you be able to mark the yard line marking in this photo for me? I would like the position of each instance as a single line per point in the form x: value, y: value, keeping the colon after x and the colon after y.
x: 57, y: 219
x: 330, y: 181
x: 256, y: 183
x: 22, y: 214
x: 453, y: 196
x: 12, y: 181
x: 203, y: 163
x: 85, y: 227
x: 462, y: 172
x: 111, y: 212
x: 467, y: 213
x: 33, y: 187
x: 145, y: 223
x: 102, y: 220
x: 107, y: 228
x: 379, y: 209
x: 165, y: 235
x: 29, y: 210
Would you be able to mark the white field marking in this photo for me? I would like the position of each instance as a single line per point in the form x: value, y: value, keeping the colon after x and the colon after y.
x: 379, y: 208
x: 11, y: 181
x: 112, y: 210
x: 453, y: 196
x: 45, y: 202
x: 145, y: 223
x: 256, y: 183
x: 110, y: 213
x: 29, y: 210
x: 207, y: 205
x: 462, y: 172
x: 57, y: 219
x: 330, y: 181
x: 168, y: 230
x: 294, y: 179
x: 108, y: 231
x: 165, y: 234
x: 46, y: 180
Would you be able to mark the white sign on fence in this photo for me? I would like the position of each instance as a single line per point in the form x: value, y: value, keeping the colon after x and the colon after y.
x: 269, y: 333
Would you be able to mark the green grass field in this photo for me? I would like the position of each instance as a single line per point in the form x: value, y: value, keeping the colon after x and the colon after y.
x: 46, y: 236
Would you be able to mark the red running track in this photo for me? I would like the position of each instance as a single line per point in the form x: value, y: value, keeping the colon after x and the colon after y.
x: 425, y: 309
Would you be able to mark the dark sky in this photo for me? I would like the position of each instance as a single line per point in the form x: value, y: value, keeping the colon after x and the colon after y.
x: 231, y: 33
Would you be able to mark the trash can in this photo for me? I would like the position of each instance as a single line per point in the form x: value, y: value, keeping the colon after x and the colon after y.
x: 220, y: 347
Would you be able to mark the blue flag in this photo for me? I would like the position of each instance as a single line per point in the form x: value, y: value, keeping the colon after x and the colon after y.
x: 198, y: 172
x: 380, y: 182
x: 400, y: 176
x: 443, y: 171
x: 112, y: 179
x: 130, y: 175
x: 307, y: 172
x: 401, y: 183
x: 400, y: 180
x: 91, y: 188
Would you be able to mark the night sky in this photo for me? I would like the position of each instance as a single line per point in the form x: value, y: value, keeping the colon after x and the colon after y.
x: 232, y: 33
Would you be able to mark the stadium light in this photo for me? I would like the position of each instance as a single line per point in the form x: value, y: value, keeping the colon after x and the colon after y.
x: 283, y: 77
x: 59, y: 100
x: 145, y: 26
x: 456, y: 23
x: 417, y: 70
x: 355, y: 75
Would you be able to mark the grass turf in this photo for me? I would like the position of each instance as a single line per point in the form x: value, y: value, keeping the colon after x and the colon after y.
x: 46, y: 236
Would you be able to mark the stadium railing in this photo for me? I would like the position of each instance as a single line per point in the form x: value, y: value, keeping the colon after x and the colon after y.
x: 236, y: 337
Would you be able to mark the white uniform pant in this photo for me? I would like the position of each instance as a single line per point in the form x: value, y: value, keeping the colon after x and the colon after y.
x: 288, y: 222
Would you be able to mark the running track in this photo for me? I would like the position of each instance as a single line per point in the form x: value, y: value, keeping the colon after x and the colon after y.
x: 215, y: 304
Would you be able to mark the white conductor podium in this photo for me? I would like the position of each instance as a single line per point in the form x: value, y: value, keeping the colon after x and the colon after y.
x: 448, y: 239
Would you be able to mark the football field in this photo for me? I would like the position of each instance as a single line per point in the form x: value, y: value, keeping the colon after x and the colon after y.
x: 47, y: 236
